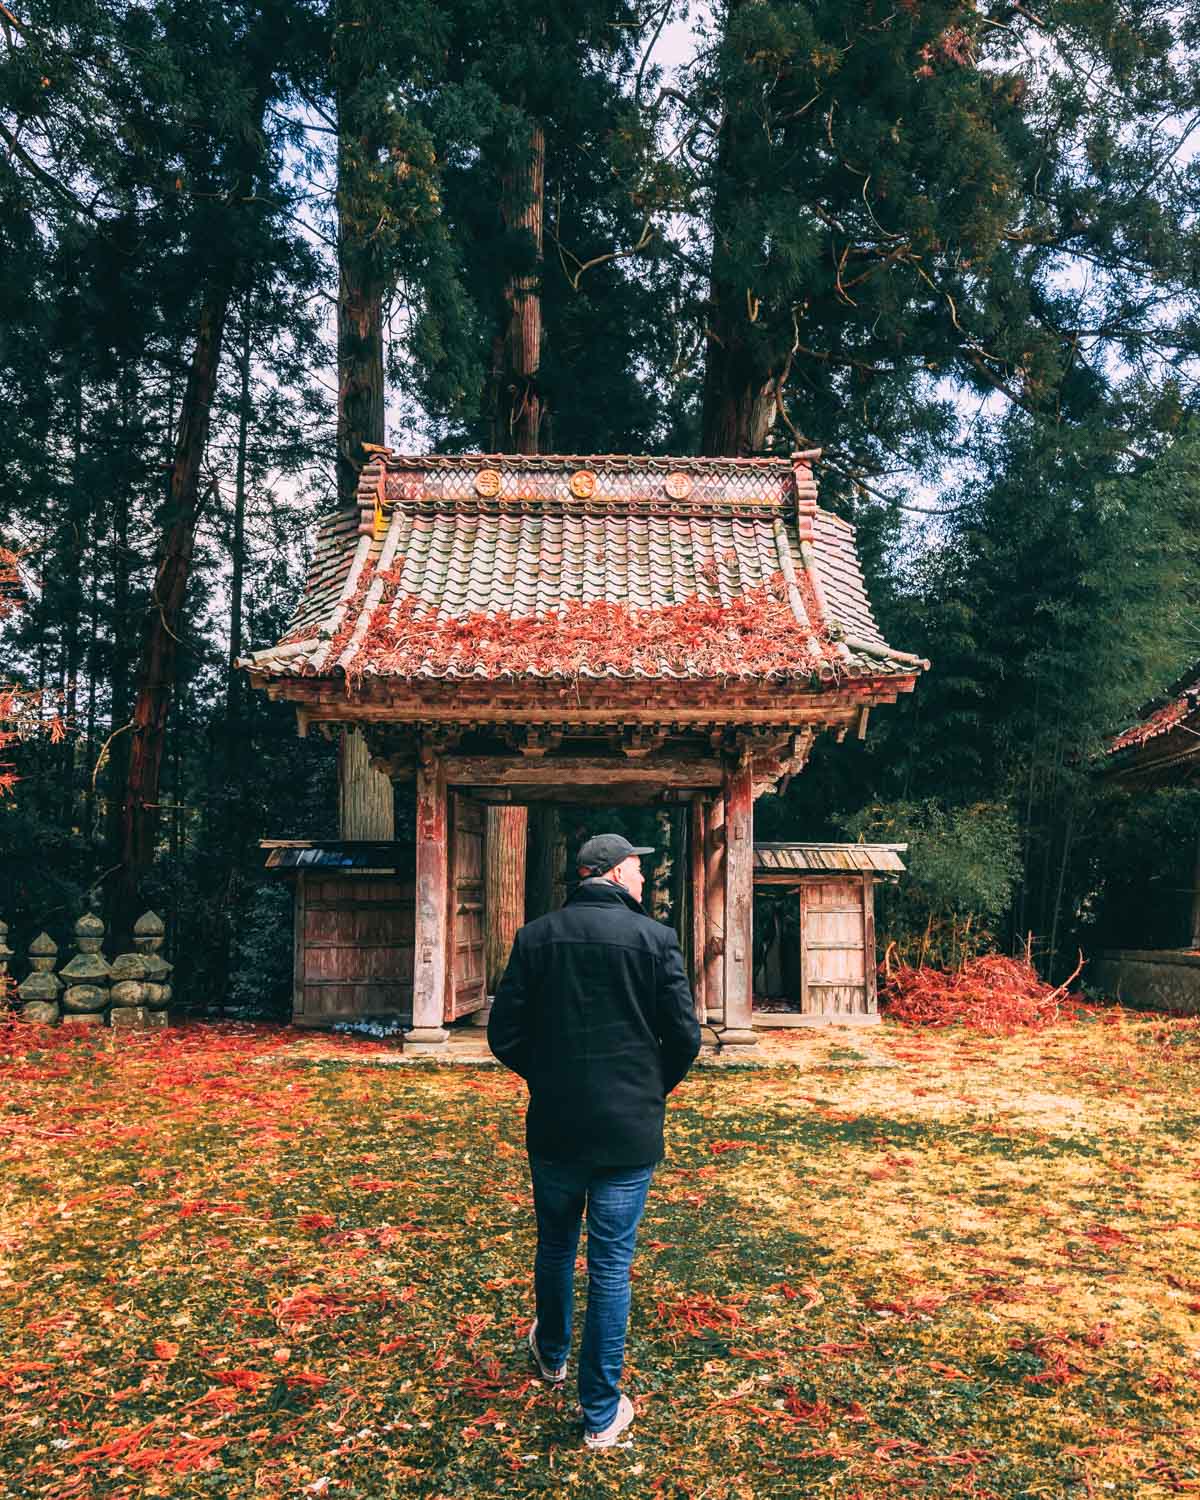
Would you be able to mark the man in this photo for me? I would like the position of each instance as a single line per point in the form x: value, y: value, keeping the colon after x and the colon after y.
x: 595, y: 1012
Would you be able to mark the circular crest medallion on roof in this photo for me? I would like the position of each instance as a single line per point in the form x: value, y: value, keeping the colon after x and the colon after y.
x: 487, y: 483
x: 678, y: 485
x: 583, y: 484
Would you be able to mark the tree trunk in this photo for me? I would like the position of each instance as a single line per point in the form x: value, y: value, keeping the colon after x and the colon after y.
x: 361, y: 277
x: 521, y: 208
x: 93, y: 667
x: 546, y: 880
x: 156, y: 668
x: 237, y: 560
x: 360, y: 372
x: 230, y: 760
x: 518, y: 409
x: 741, y: 372
x: 504, y: 878
x: 122, y: 627
x: 78, y: 504
x: 366, y: 807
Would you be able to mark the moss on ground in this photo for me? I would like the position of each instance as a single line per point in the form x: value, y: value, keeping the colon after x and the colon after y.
x: 237, y: 1266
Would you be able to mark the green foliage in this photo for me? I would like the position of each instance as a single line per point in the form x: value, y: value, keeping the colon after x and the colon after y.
x: 938, y: 200
x: 963, y: 865
x: 1140, y: 862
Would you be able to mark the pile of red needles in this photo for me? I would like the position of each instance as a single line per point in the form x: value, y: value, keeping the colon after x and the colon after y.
x: 993, y: 993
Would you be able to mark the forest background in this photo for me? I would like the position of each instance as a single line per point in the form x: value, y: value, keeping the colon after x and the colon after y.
x: 954, y: 245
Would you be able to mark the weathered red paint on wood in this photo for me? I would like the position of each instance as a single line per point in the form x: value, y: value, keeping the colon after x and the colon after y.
x: 714, y: 909
x: 784, y: 704
x: 597, y: 770
x: 697, y: 903
x: 433, y: 901
x: 739, y: 902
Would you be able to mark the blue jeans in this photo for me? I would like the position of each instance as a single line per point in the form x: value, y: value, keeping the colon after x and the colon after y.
x: 614, y: 1198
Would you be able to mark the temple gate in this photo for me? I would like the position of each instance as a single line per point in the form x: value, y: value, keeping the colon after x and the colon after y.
x: 604, y: 630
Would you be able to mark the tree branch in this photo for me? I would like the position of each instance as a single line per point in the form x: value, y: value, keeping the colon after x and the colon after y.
x: 44, y: 177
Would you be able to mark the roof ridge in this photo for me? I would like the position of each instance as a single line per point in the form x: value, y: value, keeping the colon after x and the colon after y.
x: 391, y: 459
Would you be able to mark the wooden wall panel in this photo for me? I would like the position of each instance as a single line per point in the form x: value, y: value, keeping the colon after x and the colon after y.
x: 353, y: 948
x: 836, y: 969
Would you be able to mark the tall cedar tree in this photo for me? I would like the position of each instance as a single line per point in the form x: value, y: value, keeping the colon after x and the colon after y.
x: 226, y: 168
x: 904, y: 199
x: 539, y: 205
x: 384, y: 61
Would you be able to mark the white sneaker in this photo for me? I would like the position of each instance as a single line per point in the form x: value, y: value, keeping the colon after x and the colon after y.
x: 555, y: 1377
x: 622, y: 1420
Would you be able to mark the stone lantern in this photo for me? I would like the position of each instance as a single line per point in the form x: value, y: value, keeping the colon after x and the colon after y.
x: 148, y: 935
x: 39, y: 991
x: 5, y: 954
x: 128, y: 993
x: 86, y: 997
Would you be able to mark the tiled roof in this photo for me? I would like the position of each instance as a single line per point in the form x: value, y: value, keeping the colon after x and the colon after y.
x: 558, y: 566
x: 331, y: 854
x: 1161, y: 715
x: 783, y: 859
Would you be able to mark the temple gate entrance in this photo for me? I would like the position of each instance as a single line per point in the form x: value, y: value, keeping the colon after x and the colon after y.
x: 609, y: 630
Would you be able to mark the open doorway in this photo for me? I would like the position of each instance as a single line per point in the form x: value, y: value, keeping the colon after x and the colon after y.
x: 777, y: 953
x: 526, y: 857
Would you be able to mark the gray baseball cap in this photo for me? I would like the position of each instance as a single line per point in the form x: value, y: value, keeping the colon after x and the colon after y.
x: 599, y: 854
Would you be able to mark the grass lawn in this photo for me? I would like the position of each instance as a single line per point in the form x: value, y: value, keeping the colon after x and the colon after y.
x: 924, y: 1264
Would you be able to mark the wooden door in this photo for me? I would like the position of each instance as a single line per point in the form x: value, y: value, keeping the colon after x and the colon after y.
x: 836, y: 975
x: 466, y: 989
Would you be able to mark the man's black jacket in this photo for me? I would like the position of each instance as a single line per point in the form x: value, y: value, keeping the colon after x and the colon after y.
x: 595, y: 1012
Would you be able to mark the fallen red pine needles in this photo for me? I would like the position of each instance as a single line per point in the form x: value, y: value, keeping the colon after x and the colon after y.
x: 695, y: 1314
x: 753, y: 634
x: 993, y: 993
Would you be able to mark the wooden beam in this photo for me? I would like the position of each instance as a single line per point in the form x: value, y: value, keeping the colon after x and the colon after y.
x: 714, y: 910
x: 594, y: 770
x: 785, y: 705
x: 433, y: 908
x: 696, y: 902
x: 739, y: 905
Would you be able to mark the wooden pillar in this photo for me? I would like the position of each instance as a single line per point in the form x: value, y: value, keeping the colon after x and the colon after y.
x: 872, y: 974
x: 739, y: 905
x: 432, y: 937
x: 714, y: 910
x: 504, y: 882
x: 696, y: 888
